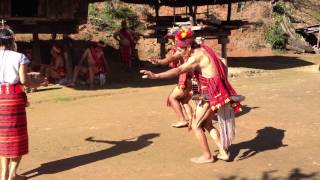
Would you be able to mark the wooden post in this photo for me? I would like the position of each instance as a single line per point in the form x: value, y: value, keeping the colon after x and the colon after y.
x: 36, y: 56
x: 190, y: 11
x: 162, y: 42
x: 223, y: 40
x: 162, y: 50
x: 157, y: 8
x: 174, y: 16
x: 229, y: 10
x: 195, y: 15
x: 318, y: 42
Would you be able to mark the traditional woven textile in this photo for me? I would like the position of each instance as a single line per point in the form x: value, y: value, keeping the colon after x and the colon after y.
x: 13, y: 121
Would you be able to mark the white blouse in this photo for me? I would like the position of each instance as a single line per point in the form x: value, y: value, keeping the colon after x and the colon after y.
x: 9, y: 66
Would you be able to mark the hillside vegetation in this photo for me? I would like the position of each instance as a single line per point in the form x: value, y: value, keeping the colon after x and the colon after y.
x: 263, y: 32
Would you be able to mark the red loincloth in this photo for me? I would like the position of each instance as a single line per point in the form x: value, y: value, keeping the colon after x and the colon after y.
x: 218, y: 87
x: 99, y: 63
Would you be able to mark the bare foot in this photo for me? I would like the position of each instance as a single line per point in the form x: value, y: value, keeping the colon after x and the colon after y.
x: 223, y: 156
x: 180, y: 124
x: 17, y: 177
x: 202, y: 160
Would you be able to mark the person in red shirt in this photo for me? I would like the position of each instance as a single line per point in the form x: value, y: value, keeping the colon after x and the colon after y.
x: 125, y: 37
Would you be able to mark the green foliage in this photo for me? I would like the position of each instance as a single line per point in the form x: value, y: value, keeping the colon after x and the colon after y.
x: 280, y: 8
x: 100, y: 20
x: 316, y: 15
x: 259, y: 23
x: 109, y: 17
x: 276, y: 37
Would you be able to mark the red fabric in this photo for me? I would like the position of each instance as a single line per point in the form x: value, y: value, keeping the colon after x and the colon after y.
x: 126, y: 51
x: 12, y: 88
x: 98, y: 61
x: 60, y: 70
x: 175, y: 63
x: 13, y: 121
x: 218, y: 87
x: 128, y: 35
x: 126, y: 54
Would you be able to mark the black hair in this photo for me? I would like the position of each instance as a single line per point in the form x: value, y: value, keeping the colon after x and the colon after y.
x: 6, y: 38
x: 195, y: 45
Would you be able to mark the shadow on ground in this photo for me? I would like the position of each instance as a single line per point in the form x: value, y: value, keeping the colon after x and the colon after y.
x: 294, y: 174
x: 267, y: 62
x: 119, y: 78
x: 245, y: 109
x: 119, y: 148
x: 268, y: 138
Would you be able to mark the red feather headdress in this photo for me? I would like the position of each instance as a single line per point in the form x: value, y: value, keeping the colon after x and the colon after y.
x: 184, y: 37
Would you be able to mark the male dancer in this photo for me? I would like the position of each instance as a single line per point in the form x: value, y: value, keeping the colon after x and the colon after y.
x: 216, y: 93
x: 179, y: 97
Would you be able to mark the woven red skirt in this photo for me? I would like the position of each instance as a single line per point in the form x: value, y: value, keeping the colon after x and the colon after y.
x: 13, y: 121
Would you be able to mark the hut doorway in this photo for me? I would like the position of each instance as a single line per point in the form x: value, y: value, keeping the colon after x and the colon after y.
x: 24, y: 8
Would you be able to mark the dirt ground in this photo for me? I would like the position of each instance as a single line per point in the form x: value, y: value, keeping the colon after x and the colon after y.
x: 123, y: 130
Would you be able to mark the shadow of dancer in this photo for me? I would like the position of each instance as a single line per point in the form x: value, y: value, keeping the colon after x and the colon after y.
x: 245, y: 109
x: 296, y: 174
x: 268, y: 138
x: 120, y: 147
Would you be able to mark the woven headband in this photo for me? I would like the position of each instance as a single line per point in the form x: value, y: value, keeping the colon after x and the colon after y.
x: 183, y: 43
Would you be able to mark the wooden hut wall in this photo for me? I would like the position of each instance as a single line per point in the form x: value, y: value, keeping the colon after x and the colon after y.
x: 181, y: 3
x: 5, y: 8
x: 52, y: 9
x: 57, y: 9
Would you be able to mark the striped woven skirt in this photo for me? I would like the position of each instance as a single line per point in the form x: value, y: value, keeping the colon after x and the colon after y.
x: 13, y: 121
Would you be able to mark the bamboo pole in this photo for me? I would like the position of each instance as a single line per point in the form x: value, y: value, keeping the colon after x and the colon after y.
x: 318, y: 43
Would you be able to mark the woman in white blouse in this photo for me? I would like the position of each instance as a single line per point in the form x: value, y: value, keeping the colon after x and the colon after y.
x: 13, y: 100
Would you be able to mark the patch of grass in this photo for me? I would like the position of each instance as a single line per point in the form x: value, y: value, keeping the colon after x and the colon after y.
x: 256, y: 45
x: 63, y: 99
x: 316, y: 15
x: 259, y: 23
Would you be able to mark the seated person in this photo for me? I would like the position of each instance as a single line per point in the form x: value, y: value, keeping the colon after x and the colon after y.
x: 91, y: 64
x: 56, y: 70
x: 33, y: 72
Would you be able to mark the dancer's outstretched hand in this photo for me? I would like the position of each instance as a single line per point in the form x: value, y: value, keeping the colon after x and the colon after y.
x: 154, y: 61
x: 148, y: 74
